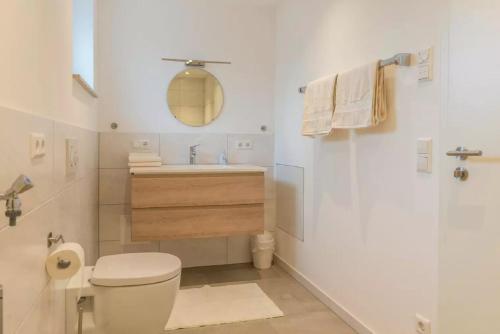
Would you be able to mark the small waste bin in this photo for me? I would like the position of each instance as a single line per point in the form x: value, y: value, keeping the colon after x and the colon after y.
x: 263, y: 250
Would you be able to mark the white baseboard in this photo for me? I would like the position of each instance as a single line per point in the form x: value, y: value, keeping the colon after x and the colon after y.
x: 344, y: 314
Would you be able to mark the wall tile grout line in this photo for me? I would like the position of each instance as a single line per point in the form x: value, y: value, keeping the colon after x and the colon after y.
x: 98, y: 195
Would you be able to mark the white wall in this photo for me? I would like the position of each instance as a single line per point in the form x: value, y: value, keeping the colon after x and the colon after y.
x: 38, y: 95
x: 135, y: 35
x: 36, y: 63
x: 133, y: 81
x: 371, y: 220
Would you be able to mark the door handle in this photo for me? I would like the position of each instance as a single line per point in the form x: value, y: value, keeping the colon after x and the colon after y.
x: 463, y: 153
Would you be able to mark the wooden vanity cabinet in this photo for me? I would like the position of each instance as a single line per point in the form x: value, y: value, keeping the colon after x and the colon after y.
x: 196, y: 205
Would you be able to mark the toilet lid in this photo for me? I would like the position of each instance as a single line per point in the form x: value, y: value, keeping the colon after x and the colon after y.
x: 135, y: 269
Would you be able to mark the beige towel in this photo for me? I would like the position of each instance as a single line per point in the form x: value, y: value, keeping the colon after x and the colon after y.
x: 319, y: 103
x: 360, y: 98
x: 145, y: 164
x: 143, y: 157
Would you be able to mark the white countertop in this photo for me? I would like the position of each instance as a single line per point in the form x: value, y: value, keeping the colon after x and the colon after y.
x: 196, y: 169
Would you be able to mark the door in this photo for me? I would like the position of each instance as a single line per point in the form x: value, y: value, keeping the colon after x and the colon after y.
x: 469, y: 262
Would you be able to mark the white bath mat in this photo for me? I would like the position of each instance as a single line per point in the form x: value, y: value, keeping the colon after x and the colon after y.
x: 217, y: 305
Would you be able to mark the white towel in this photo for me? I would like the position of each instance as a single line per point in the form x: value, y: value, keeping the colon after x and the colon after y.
x: 319, y: 104
x: 143, y: 157
x: 145, y: 164
x: 360, y: 98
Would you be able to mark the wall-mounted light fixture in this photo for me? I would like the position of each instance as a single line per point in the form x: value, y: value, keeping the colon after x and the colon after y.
x: 196, y: 63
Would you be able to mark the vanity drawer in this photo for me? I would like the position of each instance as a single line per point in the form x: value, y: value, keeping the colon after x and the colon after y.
x: 161, y: 191
x: 196, y: 222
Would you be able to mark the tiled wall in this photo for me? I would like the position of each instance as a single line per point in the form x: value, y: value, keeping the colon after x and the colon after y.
x: 114, y: 192
x: 58, y: 204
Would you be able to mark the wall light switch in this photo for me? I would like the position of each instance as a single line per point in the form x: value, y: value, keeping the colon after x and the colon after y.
x: 424, y: 155
x: 423, y: 164
x: 72, y: 156
x: 424, y: 146
x: 425, y: 61
x: 37, y: 145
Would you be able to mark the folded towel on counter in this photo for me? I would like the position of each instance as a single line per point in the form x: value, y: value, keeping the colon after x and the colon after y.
x: 319, y: 105
x: 360, y: 100
x: 145, y: 164
x: 143, y: 157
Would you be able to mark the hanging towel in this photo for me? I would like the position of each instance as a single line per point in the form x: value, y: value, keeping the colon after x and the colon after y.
x: 319, y: 103
x: 143, y: 157
x: 360, y: 100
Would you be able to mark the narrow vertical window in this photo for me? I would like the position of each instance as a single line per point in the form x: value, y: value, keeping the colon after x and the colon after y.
x: 83, y: 40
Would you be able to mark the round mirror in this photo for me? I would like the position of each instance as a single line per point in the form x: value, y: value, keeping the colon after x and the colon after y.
x: 195, y: 97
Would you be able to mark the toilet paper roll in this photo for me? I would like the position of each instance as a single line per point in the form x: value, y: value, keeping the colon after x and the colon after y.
x: 64, y: 262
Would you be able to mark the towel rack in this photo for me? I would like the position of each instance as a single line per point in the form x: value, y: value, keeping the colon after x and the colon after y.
x: 400, y: 59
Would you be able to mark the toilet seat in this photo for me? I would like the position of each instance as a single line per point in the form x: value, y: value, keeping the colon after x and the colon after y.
x: 135, y: 269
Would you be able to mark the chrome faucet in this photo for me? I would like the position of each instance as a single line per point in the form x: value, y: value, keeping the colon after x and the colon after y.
x: 13, y: 202
x: 192, y: 154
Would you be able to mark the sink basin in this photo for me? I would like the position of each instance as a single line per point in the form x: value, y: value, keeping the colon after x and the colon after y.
x: 196, y: 169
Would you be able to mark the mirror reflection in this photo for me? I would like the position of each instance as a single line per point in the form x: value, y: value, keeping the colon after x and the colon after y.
x: 195, y: 97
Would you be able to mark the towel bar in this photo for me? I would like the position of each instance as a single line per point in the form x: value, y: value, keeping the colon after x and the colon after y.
x: 400, y: 59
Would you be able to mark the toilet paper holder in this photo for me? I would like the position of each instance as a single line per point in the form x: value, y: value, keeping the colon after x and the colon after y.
x: 54, y: 239
x: 63, y: 264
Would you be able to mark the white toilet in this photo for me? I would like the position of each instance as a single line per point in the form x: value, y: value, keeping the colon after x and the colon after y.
x: 126, y: 293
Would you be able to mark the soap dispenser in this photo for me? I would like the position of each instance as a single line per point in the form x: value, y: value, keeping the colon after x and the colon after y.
x: 222, y: 159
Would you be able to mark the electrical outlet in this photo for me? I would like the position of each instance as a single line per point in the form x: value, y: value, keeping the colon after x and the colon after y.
x: 244, y: 145
x: 72, y: 156
x: 37, y: 145
x: 142, y: 144
x: 422, y: 325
